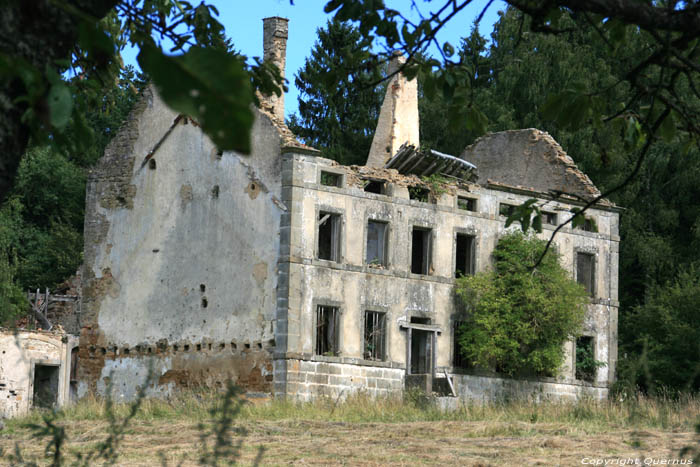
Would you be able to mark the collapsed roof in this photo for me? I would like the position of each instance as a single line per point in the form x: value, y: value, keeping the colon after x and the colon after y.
x: 410, y: 160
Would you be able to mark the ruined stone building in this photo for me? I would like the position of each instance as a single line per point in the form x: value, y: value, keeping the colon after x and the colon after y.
x: 294, y: 275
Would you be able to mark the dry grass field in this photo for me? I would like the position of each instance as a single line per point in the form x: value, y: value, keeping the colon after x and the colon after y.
x: 184, y: 431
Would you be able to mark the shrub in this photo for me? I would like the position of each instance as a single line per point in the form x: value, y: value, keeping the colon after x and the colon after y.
x: 517, y: 318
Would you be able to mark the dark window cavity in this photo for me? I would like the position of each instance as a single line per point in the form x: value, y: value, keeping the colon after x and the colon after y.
x: 328, y: 236
x: 331, y: 179
x: 327, y: 330
x: 377, y: 233
x: 585, y: 271
x: 375, y: 186
x: 419, y: 193
x: 464, y: 255
x: 549, y: 218
x: 458, y: 361
x: 375, y: 336
x: 420, y: 250
x: 506, y: 210
x: 589, y: 225
x: 586, y: 365
x: 466, y: 204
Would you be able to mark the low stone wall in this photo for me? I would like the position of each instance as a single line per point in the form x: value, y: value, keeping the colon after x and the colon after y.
x: 488, y: 388
x: 306, y: 380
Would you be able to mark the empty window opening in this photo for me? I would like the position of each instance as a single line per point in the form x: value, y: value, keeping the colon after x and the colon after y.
x: 419, y: 193
x: 377, y: 233
x: 45, y: 386
x: 375, y: 186
x: 186, y: 348
x: 375, y: 336
x: 219, y: 154
x: 205, y: 302
x: 259, y: 345
x: 247, y: 345
x: 328, y: 236
x: 331, y: 179
x: 215, y: 192
x: 589, y: 225
x: 585, y: 271
x: 233, y: 346
x: 464, y: 255
x: 202, y: 288
x: 420, y: 320
x: 420, y: 250
x: 466, y: 204
x: 458, y: 361
x: 506, y: 210
x: 199, y: 347
x: 222, y: 346
x: 152, y: 164
x: 549, y: 218
x: 326, y: 330
x: 586, y: 364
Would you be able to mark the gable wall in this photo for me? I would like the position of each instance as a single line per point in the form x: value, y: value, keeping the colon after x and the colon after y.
x: 180, y: 260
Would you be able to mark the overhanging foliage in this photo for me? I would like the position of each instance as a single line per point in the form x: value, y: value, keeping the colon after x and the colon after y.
x: 517, y: 319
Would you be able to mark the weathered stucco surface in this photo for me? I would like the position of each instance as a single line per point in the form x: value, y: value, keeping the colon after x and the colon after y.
x: 181, y: 255
x: 355, y: 286
x: 530, y: 159
x: 20, y: 354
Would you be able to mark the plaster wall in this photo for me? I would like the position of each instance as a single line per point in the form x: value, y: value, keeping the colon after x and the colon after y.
x: 180, y: 257
x: 20, y: 352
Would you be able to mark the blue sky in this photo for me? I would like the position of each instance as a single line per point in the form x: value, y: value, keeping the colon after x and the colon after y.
x: 243, y: 23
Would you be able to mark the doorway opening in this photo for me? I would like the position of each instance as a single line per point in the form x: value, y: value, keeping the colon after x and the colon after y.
x: 45, y: 386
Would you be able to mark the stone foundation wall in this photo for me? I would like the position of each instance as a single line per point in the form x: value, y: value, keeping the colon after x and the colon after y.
x: 306, y: 380
x: 487, y: 388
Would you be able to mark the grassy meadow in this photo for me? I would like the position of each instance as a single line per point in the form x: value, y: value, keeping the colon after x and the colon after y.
x: 200, y: 428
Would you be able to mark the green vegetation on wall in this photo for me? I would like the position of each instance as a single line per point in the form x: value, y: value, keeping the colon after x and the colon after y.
x: 517, y: 319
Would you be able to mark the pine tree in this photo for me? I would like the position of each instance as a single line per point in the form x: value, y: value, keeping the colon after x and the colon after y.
x: 338, y: 110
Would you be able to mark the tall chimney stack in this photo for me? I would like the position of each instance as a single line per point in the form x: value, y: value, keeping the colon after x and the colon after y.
x: 275, y: 33
x: 398, y: 117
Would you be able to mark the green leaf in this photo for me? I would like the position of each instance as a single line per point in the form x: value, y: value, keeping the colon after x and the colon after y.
x: 60, y: 104
x: 448, y: 49
x: 537, y: 222
x: 209, y: 85
x: 667, y: 130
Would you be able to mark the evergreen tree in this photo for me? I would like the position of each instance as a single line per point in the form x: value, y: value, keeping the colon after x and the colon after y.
x: 41, y: 222
x: 338, y: 117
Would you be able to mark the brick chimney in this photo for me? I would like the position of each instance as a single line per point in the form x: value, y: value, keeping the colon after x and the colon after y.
x: 398, y: 118
x: 275, y: 32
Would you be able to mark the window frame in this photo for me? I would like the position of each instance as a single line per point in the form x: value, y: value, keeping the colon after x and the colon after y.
x: 336, y: 331
x: 337, y: 234
x: 510, y: 206
x: 472, y: 253
x: 593, y: 340
x: 383, y: 336
x: 384, y: 261
x: 593, y: 255
x: 428, y: 245
x: 469, y: 199
x: 340, y: 179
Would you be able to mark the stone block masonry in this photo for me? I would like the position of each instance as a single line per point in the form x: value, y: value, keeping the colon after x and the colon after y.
x: 308, y: 379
